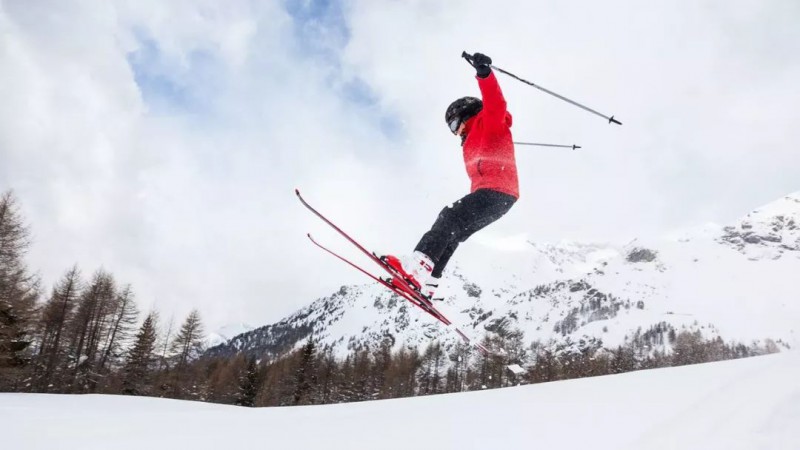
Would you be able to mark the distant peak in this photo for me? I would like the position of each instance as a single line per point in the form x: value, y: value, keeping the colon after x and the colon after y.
x: 787, y: 206
x: 769, y: 231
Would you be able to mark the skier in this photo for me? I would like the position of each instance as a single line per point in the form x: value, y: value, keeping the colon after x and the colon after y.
x: 484, y: 129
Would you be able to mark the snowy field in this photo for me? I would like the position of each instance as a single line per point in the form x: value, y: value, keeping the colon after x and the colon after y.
x: 745, y: 404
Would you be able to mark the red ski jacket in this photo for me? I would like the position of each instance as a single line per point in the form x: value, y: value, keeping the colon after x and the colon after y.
x: 488, y: 147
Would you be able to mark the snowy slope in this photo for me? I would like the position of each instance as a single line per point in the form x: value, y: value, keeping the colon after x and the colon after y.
x: 735, y: 281
x: 743, y: 404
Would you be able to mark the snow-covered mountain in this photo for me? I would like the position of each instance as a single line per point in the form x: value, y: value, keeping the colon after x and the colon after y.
x: 738, y: 282
x: 226, y: 333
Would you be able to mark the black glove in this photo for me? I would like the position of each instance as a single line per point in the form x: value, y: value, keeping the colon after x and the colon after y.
x: 482, y: 64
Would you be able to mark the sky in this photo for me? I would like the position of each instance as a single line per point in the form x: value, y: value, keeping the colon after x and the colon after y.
x: 744, y: 404
x: 163, y: 141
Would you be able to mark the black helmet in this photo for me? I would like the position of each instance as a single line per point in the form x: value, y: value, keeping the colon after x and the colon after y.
x: 461, y: 110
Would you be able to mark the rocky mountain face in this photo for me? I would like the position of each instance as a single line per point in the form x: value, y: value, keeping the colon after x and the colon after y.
x: 737, y: 282
x: 770, y: 231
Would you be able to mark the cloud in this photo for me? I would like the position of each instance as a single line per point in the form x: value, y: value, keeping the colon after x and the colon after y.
x: 163, y: 141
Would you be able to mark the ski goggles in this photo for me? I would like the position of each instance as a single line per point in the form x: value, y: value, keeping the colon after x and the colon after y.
x: 454, y: 124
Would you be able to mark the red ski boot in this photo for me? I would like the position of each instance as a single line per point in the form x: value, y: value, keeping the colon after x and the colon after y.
x: 416, y: 270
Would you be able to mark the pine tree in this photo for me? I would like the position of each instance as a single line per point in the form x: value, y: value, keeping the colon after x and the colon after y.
x: 546, y: 364
x: 248, y: 384
x: 306, y: 374
x: 19, y: 292
x: 141, y: 358
x: 623, y: 359
x: 689, y: 348
x: 459, y: 366
x: 326, y: 378
x: 382, y: 361
x: 359, y: 381
x: 429, y: 373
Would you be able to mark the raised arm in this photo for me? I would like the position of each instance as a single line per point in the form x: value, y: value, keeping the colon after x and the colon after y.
x: 494, y: 104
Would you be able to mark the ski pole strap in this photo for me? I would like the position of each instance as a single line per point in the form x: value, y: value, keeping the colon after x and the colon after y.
x: 468, y: 58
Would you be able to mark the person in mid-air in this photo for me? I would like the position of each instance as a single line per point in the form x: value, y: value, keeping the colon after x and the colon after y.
x: 484, y: 127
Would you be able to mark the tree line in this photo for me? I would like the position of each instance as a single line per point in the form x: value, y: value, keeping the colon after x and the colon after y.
x: 85, y: 336
x: 317, y: 374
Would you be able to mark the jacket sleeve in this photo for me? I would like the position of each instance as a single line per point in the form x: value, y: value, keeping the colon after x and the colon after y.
x: 494, y: 104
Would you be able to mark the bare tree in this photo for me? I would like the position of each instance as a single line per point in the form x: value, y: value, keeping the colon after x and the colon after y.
x: 56, y: 315
x: 121, y: 321
x: 165, y: 339
x: 186, y: 347
x: 92, y: 321
x: 401, y: 379
x: 188, y: 344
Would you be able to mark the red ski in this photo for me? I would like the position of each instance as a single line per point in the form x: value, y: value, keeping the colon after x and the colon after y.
x: 396, y: 283
x: 388, y: 283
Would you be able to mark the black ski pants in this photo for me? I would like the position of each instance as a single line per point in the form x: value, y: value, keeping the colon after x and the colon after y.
x: 459, y: 221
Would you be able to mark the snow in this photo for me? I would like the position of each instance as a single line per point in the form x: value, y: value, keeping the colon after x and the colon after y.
x: 744, y: 404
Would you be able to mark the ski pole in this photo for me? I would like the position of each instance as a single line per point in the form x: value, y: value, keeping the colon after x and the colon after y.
x: 611, y: 119
x: 548, y: 145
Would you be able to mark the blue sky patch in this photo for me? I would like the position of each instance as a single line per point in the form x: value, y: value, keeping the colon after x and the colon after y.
x: 156, y: 86
x: 321, y: 33
x: 320, y: 26
x: 188, y: 88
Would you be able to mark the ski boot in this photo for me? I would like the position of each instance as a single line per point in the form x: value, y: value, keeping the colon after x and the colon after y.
x: 416, y: 271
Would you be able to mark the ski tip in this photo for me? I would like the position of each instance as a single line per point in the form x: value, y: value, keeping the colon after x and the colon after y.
x: 297, y: 192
